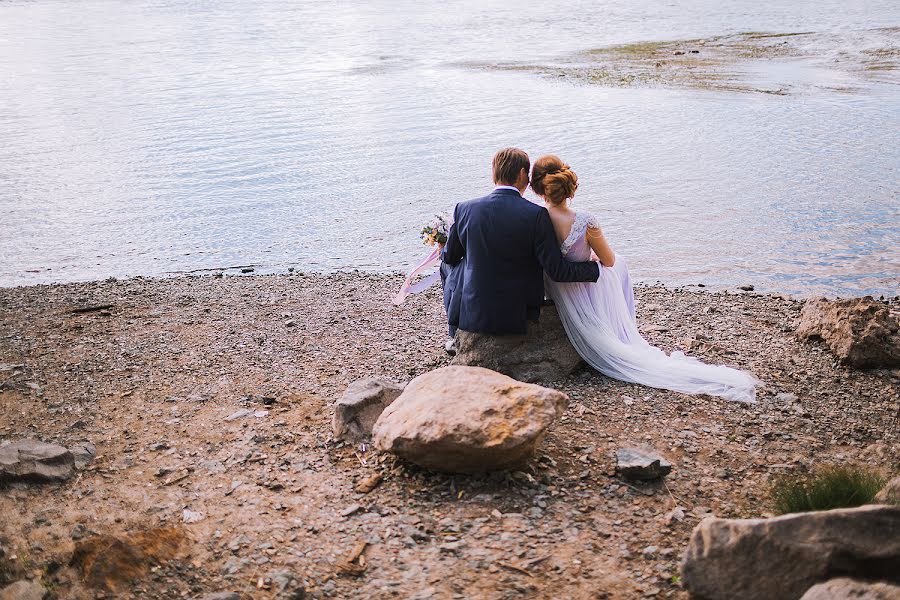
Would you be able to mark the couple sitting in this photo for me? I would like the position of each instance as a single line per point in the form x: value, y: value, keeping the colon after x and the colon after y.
x: 503, y: 253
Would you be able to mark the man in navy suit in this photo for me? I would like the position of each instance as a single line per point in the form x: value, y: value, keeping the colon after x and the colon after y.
x: 497, y: 252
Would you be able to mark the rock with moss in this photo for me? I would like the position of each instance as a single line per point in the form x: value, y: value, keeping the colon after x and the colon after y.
x: 466, y: 419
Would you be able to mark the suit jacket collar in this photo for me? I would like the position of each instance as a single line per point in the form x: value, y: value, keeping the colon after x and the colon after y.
x: 507, y: 192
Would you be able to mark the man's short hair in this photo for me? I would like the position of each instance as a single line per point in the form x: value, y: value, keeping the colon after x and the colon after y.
x: 508, y: 163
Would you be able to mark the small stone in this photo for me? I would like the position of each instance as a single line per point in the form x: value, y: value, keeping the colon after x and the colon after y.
x: 23, y: 590
x: 654, y: 329
x: 368, y: 484
x: 360, y: 406
x: 635, y: 463
x: 353, y: 508
x: 83, y: 453
x: 247, y: 270
x: 239, y: 414
x: 649, y: 551
x: 743, y: 288
x: 222, y: 596
x: 191, y: 516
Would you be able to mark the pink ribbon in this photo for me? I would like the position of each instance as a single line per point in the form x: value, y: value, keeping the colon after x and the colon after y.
x: 423, y: 284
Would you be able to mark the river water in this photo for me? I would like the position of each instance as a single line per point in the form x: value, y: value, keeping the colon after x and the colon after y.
x: 156, y: 137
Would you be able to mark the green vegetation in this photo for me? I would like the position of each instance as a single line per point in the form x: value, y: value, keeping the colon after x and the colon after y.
x: 831, y: 486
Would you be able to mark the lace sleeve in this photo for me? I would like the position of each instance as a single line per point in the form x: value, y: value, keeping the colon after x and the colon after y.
x: 593, y: 222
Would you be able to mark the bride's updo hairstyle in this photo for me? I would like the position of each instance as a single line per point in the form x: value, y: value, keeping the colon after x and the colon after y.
x: 553, y: 179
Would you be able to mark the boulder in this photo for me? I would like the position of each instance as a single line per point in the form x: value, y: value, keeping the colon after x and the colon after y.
x: 543, y: 354
x: 23, y: 590
x: 466, y: 419
x: 760, y: 559
x: 637, y: 463
x: 844, y: 588
x: 861, y: 332
x: 890, y: 493
x: 362, y: 403
x: 33, y: 461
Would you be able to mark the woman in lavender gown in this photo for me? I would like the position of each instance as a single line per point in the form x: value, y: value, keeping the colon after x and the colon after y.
x: 599, y: 317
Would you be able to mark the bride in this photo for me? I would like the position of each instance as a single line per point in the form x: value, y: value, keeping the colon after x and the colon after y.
x: 599, y: 317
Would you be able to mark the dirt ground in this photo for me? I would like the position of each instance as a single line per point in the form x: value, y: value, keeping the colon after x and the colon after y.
x: 269, y: 496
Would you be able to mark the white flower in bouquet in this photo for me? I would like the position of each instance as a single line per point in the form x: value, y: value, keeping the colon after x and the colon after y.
x: 437, y: 230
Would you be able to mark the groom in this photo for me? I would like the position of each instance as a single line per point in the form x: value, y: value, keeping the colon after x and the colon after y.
x: 497, y: 252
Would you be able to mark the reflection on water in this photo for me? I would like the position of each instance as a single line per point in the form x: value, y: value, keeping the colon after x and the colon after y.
x: 154, y: 137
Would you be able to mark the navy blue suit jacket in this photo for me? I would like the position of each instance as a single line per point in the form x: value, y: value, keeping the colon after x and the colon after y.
x: 498, y: 250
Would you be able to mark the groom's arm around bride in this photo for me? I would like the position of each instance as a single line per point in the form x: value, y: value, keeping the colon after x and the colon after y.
x: 497, y: 252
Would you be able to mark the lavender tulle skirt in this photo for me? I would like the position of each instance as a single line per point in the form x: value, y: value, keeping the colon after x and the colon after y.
x: 600, y: 321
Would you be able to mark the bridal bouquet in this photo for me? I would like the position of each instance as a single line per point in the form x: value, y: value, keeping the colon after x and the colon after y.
x: 437, y: 230
x: 434, y: 234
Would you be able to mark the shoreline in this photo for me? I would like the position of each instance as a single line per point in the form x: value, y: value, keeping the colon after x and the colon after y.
x: 398, y: 276
x: 151, y: 381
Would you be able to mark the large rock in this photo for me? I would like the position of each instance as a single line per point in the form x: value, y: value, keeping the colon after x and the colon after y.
x: 844, y: 588
x: 23, y: 590
x: 362, y: 403
x: 543, y: 354
x: 860, y: 331
x: 464, y: 419
x: 890, y: 493
x: 761, y: 559
x: 30, y: 460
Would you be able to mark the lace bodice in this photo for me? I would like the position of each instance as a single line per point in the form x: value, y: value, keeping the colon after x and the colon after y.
x: 575, y: 247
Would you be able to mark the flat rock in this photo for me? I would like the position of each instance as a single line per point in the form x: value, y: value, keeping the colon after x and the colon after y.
x: 760, y: 559
x: 360, y: 406
x: 34, y: 461
x: 890, y: 493
x: 23, y: 590
x: 543, y: 354
x: 466, y: 419
x: 222, y: 596
x: 638, y: 463
x: 861, y: 332
x: 844, y: 588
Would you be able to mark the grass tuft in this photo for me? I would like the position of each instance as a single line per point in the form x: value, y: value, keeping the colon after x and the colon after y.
x: 828, y: 487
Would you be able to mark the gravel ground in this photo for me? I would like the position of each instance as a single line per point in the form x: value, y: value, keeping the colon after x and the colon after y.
x: 151, y: 380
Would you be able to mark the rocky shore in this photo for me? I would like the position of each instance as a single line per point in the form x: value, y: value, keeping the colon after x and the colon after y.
x: 209, y: 403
